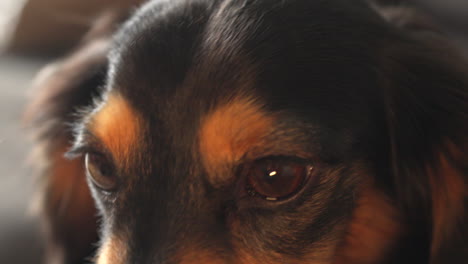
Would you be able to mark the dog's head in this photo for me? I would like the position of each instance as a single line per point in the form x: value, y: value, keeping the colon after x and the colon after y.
x: 278, y: 132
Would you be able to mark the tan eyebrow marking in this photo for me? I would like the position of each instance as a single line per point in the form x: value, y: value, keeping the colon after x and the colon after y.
x: 118, y: 125
x: 228, y: 132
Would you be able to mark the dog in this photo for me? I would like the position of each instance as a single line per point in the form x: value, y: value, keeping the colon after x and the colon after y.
x: 237, y: 131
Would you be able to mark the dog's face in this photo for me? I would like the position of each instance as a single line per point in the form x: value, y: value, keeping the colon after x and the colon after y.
x: 257, y: 132
x: 225, y: 136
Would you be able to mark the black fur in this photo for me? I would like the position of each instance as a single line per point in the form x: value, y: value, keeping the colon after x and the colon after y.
x: 367, y: 90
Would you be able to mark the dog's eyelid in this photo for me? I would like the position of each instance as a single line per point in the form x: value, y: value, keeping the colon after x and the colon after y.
x: 85, y: 142
x: 75, y: 152
x: 81, y: 149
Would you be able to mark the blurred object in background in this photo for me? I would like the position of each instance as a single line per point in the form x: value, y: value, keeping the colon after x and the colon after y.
x: 19, y: 231
x: 8, y: 11
x: 452, y: 15
x: 451, y: 12
x: 52, y: 27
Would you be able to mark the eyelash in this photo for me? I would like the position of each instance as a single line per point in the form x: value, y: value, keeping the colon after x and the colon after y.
x: 87, y: 150
x: 86, y: 146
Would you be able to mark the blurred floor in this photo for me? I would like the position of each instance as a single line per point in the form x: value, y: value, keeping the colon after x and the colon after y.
x: 19, y: 239
x: 19, y: 243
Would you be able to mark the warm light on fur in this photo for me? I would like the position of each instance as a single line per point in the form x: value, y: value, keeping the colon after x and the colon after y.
x: 188, y: 98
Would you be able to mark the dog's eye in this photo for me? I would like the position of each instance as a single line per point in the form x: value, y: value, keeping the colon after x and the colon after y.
x: 100, y: 171
x: 277, y: 178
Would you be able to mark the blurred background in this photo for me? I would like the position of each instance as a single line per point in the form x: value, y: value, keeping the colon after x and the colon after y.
x: 35, y: 32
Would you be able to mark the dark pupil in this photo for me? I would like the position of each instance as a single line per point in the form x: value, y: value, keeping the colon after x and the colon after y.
x: 277, y: 179
x: 100, y: 165
x: 103, y: 169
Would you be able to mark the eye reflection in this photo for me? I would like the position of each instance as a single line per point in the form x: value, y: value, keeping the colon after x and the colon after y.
x: 276, y: 178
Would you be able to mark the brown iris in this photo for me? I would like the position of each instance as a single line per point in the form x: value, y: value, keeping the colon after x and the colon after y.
x: 100, y: 171
x: 275, y: 178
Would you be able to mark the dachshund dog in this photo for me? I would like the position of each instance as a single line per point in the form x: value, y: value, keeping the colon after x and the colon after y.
x: 255, y: 131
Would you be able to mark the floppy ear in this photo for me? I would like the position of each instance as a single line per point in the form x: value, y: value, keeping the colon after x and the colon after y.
x: 426, y: 97
x: 59, y: 91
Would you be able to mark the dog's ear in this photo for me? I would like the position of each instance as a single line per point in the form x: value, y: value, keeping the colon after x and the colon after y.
x: 426, y: 100
x: 59, y: 91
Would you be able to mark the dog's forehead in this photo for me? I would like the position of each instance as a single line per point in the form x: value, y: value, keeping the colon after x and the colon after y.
x: 181, y: 47
x: 212, y: 44
x: 177, y: 62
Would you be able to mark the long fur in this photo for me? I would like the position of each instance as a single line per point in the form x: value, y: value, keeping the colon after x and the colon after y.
x: 424, y: 81
x: 59, y: 92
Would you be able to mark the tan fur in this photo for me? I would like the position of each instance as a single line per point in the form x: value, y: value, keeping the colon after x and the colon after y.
x: 373, y: 231
x: 69, y: 203
x: 317, y: 256
x: 118, y: 125
x: 113, y: 251
x: 449, y: 192
x: 197, y: 255
x: 228, y: 132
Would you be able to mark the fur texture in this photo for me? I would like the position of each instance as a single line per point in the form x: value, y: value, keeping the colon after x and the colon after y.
x: 187, y: 94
